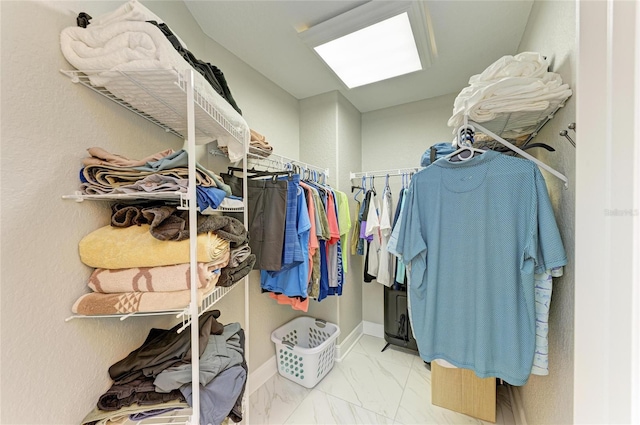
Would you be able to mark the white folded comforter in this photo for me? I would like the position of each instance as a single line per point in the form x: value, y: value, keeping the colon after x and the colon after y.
x: 123, y: 41
x: 512, y: 84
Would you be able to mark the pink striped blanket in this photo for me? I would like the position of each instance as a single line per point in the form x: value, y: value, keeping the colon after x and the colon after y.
x: 154, y: 279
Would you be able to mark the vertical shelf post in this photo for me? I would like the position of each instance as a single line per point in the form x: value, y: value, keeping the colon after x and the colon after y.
x: 193, y: 254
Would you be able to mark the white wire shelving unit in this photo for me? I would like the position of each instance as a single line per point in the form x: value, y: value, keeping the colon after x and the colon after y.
x: 168, y: 98
x: 179, y: 198
x: 160, y: 96
x: 275, y: 161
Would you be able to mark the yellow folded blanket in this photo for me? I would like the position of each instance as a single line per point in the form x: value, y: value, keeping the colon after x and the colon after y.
x: 121, y: 248
x: 96, y: 303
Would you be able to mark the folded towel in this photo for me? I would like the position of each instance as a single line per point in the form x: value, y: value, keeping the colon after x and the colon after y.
x: 155, y: 183
x: 102, y: 179
x: 96, y: 303
x: 154, y: 279
x: 100, y: 156
x: 102, y: 52
x: 256, y: 136
x: 230, y: 275
x: 167, y: 223
x: 120, y: 248
x: 129, y: 11
x: 238, y: 255
x: 518, y: 85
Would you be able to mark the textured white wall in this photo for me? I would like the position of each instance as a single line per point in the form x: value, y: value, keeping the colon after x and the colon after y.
x: 551, y: 31
x: 47, y: 124
x: 397, y: 137
x: 349, y: 152
x: 330, y: 138
x: 318, y: 146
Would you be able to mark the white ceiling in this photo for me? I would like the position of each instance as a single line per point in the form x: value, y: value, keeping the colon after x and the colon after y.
x: 469, y: 36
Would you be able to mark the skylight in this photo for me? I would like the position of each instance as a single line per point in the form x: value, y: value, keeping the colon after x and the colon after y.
x: 380, y: 51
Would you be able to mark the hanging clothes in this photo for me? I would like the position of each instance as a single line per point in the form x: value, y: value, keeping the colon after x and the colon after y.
x: 344, y: 223
x: 292, y: 281
x: 385, y: 261
x: 372, y: 233
x: 484, y: 226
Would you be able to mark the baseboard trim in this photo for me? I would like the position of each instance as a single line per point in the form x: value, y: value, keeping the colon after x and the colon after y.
x: 258, y: 377
x: 373, y: 329
x: 348, y: 343
x: 516, y: 405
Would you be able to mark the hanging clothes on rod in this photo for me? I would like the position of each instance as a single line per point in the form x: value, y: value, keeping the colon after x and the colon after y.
x: 298, y: 225
x: 374, y: 224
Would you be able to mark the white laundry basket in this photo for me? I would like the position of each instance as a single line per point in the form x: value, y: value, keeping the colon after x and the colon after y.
x: 305, y: 349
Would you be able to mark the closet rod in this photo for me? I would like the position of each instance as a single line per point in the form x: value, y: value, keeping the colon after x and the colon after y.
x: 384, y: 173
x: 283, y: 161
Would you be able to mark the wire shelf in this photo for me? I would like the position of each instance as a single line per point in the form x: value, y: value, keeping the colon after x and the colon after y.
x: 180, y: 198
x: 160, y: 96
x: 176, y: 197
x: 208, y: 301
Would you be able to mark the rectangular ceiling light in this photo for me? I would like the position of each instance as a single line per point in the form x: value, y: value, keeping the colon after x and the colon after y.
x: 374, y: 53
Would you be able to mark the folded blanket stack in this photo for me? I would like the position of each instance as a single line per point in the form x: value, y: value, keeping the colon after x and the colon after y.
x: 518, y: 87
x: 155, y: 378
x: 136, y: 272
x: 167, y: 171
x: 129, y: 39
x: 142, y: 260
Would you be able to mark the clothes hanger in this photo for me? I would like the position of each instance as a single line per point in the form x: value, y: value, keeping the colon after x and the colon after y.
x: 524, y: 154
x: 465, y: 144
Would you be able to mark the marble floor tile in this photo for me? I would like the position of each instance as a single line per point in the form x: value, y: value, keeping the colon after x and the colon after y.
x: 367, y: 382
x: 322, y: 408
x: 416, y: 408
x: 372, y: 346
x: 274, y: 401
x: 367, y: 387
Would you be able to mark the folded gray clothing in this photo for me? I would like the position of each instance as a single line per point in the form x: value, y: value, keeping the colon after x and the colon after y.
x: 138, y: 417
x: 217, y: 398
x: 222, y: 352
x: 238, y: 255
x: 164, y: 348
x: 141, y: 391
x: 236, y: 413
x: 230, y: 275
x: 167, y: 223
x: 226, y: 227
x: 180, y: 159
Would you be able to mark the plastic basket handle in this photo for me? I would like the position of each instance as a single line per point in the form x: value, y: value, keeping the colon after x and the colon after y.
x: 321, y: 323
x: 289, y: 344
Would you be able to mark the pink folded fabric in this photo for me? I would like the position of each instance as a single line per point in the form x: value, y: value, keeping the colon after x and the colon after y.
x: 96, y: 303
x: 154, y: 279
x: 100, y: 156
